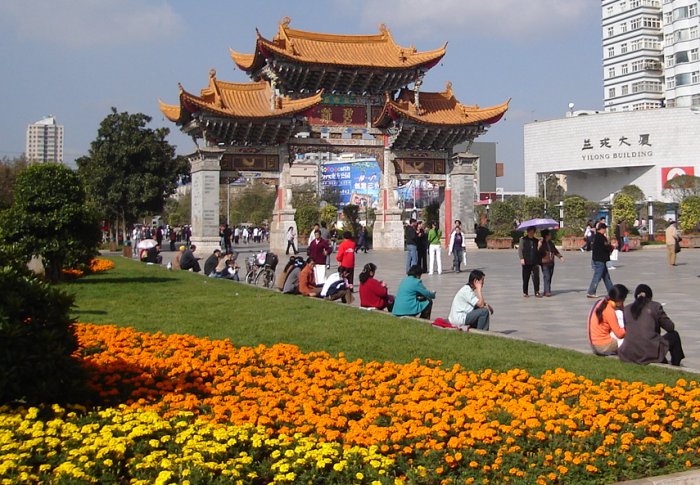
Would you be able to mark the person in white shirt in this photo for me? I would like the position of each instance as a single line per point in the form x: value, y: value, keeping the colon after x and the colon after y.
x: 337, y: 287
x: 469, y: 309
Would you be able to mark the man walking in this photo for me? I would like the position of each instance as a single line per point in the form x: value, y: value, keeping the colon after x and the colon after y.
x: 601, y: 250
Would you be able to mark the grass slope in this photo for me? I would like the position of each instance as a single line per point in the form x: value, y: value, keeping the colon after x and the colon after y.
x: 151, y: 299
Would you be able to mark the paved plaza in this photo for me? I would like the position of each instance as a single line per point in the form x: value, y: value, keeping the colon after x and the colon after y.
x: 561, y: 319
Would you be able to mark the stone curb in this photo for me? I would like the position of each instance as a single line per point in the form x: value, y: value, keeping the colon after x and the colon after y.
x: 683, y: 478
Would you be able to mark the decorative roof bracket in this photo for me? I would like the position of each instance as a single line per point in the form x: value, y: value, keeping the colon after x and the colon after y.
x: 272, y: 76
x: 418, y: 83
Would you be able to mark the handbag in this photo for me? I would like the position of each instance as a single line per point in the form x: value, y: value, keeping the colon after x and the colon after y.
x: 677, y: 247
x: 548, y: 257
x: 614, y: 255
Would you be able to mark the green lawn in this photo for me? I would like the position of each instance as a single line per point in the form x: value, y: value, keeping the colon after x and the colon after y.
x: 150, y: 298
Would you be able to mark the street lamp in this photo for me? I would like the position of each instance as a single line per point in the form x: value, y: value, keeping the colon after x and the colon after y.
x: 546, y: 178
x: 561, y: 213
x: 650, y: 213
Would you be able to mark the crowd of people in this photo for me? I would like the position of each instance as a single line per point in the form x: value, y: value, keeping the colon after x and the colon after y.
x: 633, y: 332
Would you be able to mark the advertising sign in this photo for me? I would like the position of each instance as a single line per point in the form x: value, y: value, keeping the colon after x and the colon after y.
x: 668, y: 173
x: 357, y: 181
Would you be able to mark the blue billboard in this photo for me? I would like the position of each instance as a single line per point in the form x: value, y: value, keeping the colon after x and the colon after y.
x: 357, y: 181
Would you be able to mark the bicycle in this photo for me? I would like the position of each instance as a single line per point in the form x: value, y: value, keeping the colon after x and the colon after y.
x: 260, y: 269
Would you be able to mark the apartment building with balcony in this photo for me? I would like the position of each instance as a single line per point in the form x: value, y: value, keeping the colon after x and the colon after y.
x: 651, y: 54
x: 633, y: 54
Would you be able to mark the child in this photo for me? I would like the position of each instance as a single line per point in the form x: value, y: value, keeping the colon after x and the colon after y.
x: 626, y: 242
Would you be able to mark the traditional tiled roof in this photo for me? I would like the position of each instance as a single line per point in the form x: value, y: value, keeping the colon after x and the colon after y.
x: 376, y: 51
x: 437, y: 109
x: 236, y: 100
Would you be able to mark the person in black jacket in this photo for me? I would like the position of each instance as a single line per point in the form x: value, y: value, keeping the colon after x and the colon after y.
x: 601, y: 250
x: 529, y: 260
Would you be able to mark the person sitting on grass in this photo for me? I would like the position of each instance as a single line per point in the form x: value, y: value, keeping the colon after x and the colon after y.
x: 413, y: 298
x: 307, y: 279
x: 212, y: 262
x: 603, y: 321
x: 374, y: 293
x: 282, y: 275
x: 469, y: 309
x: 291, y: 284
x: 643, y: 343
x: 337, y: 286
x: 188, y: 260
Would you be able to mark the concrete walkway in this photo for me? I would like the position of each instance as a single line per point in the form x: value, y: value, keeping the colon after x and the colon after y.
x: 559, y: 320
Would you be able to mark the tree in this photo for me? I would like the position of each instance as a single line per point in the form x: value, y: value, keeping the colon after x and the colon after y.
x: 303, y: 195
x: 329, y: 214
x: 575, y: 215
x: 351, y: 218
x: 253, y: 204
x: 305, y: 217
x: 689, y: 217
x: 178, y: 210
x: 9, y: 170
x: 633, y: 191
x: 431, y: 213
x: 501, y: 217
x: 624, y: 209
x: 682, y: 186
x: 532, y: 208
x: 49, y: 218
x: 131, y: 169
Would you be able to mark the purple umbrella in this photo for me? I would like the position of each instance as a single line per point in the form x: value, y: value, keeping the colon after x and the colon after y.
x: 539, y: 224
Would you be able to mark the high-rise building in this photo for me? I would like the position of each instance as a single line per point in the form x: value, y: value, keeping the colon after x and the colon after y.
x: 650, y: 54
x: 633, y: 76
x: 45, y: 141
x: 681, y: 44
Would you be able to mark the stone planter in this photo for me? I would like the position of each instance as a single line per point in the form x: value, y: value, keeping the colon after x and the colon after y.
x: 690, y: 241
x: 499, y: 242
x: 572, y: 243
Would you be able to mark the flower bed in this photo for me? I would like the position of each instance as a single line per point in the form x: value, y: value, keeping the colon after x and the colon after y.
x: 96, y: 265
x: 197, y: 409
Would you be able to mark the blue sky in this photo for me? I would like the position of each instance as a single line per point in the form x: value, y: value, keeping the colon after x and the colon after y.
x: 75, y: 59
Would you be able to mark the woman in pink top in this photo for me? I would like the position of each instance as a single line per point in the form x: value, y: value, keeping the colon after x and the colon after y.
x: 602, y: 320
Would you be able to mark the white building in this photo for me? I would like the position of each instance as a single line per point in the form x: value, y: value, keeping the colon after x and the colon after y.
x: 633, y: 76
x: 600, y: 153
x: 650, y: 60
x: 45, y: 141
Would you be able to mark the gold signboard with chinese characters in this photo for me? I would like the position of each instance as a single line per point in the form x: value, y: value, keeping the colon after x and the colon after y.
x: 429, y: 166
x: 247, y: 162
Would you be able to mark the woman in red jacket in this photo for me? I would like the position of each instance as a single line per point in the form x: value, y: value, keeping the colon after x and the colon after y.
x: 374, y: 293
x: 346, y: 256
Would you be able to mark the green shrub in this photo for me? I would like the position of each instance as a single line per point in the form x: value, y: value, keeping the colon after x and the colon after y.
x: 329, y: 214
x: 36, y: 342
x: 351, y: 219
x: 50, y: 218
x: 501, y: 217
x: 305, y: 217
x: 575, y: 212
x: 689, y: 214
x: 624, y: 209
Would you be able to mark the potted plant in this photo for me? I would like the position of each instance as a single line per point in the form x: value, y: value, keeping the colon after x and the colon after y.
x: 501, y: 217
x: 575, y: 210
